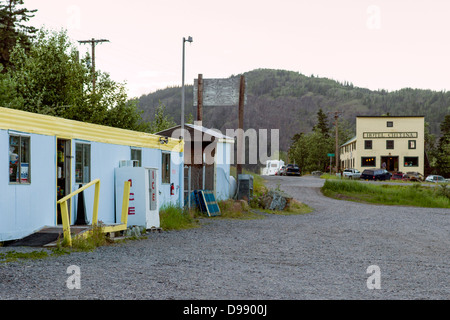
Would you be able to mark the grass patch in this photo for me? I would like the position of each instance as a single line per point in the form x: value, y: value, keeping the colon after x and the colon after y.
x: 414, y: 195
x: 329, y: 176
x: 231, y: 209
x: 175, y: 218
x: 94, y: 238
x: 12, y: 256
x: 294, y: 208
x: 297, y: 207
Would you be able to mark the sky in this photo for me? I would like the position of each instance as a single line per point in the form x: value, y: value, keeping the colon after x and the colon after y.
x: 376, y: 44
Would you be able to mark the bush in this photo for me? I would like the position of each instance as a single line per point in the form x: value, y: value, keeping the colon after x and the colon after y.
x: 230, y: 208
x: 443, y: 190
x: 94, y: 238
x: 173, y: 217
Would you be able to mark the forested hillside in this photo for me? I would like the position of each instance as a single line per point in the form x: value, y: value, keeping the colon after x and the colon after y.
x: 289, y: 101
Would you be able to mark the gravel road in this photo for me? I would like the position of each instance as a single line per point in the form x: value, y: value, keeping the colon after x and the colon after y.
x: 321, y: 255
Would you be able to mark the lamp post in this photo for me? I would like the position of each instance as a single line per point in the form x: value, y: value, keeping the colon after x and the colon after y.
x: 189, y: 39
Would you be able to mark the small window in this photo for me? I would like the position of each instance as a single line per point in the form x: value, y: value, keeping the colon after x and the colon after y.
x: 411, y: 161
x: 368, y: 162
x: 165, y: 172
x: 390, y: 124
x: 411, y: 144
x: 136, y: 154
x: 389, y: 144
x: 368, y: 144
x: 82, y: 163
x: 19, y: 159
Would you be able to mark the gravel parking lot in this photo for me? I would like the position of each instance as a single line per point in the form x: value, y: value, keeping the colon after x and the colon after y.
x: 321, y: 255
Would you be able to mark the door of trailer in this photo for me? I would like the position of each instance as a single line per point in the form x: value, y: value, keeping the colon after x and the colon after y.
x: 63, y: 161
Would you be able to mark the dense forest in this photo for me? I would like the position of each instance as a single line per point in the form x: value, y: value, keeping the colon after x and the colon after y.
x: 290, y: 101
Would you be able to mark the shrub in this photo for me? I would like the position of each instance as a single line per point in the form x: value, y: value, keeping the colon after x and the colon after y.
x: 173, y: 217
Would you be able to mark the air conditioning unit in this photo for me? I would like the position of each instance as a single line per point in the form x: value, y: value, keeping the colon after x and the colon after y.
x: 128, y: 163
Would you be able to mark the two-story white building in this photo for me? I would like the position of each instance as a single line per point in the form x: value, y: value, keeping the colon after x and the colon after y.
x: 394, y: 142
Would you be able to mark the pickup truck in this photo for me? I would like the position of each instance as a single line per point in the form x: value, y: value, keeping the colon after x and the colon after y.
x: 352, y: 173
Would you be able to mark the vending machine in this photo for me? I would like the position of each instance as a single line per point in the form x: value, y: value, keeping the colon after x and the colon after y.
x: 143, y: 207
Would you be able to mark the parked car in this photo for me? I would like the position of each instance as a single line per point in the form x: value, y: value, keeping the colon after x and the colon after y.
x: 397, y: 176
x: 352, y: 173
x: 437, y: 178
x: 282, y: 171
x: 292, y: 170
x: 376, y: 174
x: 413, y: 176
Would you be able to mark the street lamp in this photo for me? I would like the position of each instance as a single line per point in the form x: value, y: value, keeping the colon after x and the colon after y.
x: 189, y: 39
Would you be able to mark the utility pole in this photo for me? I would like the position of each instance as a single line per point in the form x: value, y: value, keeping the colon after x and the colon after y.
x: 240, y: 137
x: 93, y: 42
x: 200, y: 99
x: 336, y: 118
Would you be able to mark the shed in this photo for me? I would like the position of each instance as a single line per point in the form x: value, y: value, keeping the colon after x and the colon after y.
x: 207, y: 157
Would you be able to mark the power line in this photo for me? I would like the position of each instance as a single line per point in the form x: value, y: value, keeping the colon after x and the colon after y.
x: 93, y: 42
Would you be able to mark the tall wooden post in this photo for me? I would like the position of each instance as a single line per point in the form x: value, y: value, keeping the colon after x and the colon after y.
x: 200, y: 99
x: 240, y: 137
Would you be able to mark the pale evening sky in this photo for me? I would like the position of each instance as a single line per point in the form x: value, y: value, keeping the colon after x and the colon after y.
x: 376, y: 44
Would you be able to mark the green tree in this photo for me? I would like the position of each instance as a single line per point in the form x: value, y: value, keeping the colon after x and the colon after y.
x: 13, y: 30
x: 299, y: 151
x: 310, y: 151
x: 51, y: 79
x: 322, y: 123
x: 161, y: 121
x: 443, y: 150
x: 430, y: 147
x: 8, y: 95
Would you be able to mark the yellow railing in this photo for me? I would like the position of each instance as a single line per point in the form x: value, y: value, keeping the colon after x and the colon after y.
x: 96, y: 182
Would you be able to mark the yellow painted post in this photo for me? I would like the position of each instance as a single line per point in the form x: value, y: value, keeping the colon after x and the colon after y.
x: 96, y: 202
x: 66, y: 223
x: 125, y: 202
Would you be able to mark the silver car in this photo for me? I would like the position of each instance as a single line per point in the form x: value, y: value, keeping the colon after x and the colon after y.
x: 436, y: 178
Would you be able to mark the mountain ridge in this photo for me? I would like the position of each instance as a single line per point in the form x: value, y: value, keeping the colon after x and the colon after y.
x: 289, y: 101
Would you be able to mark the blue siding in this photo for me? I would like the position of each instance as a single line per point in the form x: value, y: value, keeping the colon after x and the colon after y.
x: 28, y: 207
x: 223, y: 171
x: 25, y: 209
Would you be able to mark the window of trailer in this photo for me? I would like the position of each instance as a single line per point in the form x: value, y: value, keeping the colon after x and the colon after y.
x: 19, y: 159
x: 165, y: 175
x: 82, y: 163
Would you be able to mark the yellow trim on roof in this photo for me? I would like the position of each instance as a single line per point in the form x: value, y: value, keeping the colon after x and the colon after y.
x: 12, y: 119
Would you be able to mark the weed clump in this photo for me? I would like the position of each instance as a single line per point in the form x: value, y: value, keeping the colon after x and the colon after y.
x: 173, y: 217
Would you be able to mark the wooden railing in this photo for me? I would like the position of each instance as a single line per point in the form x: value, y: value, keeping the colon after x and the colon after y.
x: 96, y: 182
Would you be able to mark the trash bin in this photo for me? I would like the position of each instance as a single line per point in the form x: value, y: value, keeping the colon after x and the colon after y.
x: 245, y: 187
